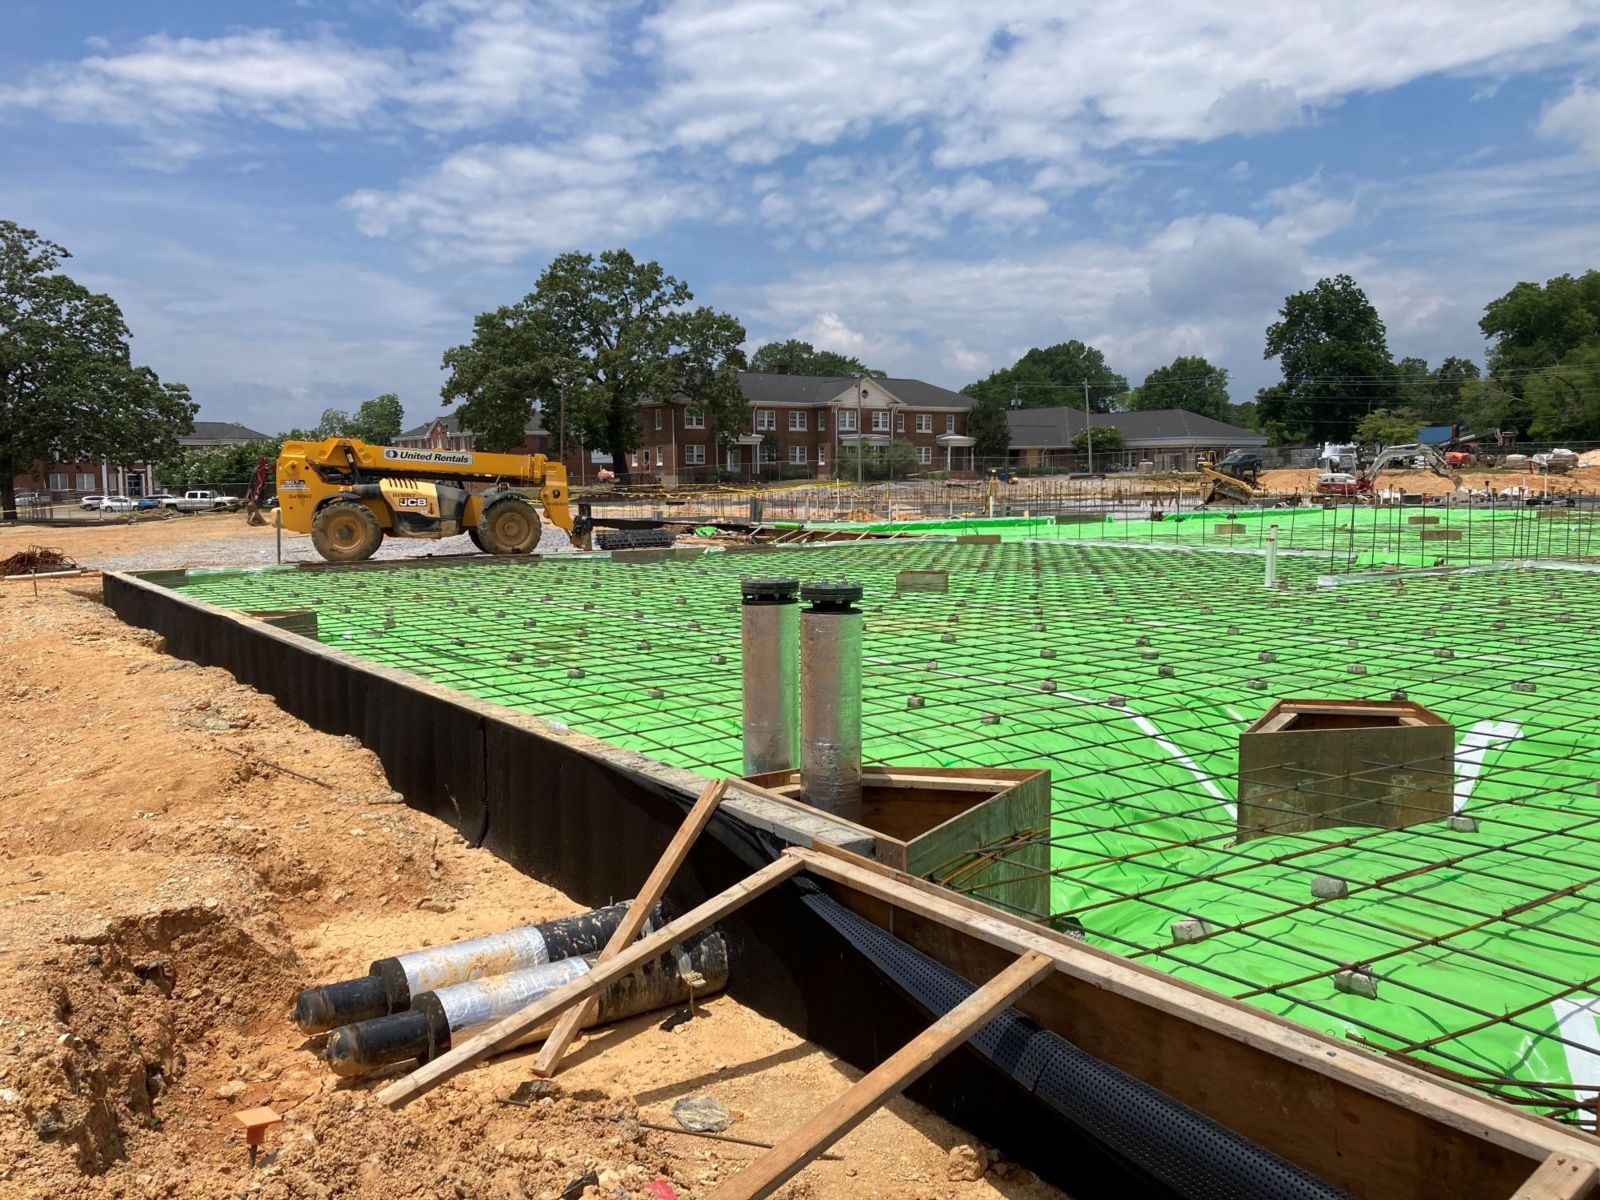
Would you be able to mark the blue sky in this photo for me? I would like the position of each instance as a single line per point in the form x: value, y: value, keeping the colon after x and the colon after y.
x: 304, y: 204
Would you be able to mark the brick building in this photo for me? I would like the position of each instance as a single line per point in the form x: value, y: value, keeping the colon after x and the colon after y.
x: 71, y: 480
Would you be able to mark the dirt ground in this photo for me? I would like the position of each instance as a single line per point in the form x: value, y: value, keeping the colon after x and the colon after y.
x: 1426, y: 483
x: 167, y: 884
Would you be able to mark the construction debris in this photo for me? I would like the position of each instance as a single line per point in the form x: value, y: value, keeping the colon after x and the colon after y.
x: 36, y: 560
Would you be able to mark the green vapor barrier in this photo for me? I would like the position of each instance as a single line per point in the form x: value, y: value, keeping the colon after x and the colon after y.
x: 1130, y: 675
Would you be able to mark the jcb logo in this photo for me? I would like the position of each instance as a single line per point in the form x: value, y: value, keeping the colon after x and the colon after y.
x: 413, y: 502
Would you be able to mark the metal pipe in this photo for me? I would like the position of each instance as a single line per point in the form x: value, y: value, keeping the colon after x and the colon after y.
x: 698, y: 967
x: 390, y: 983
x: 1272, y: 557
x: 771, y: 669
x: 830, y: 698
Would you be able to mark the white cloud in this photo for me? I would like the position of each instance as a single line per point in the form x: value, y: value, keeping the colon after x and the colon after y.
x: 1575, y: 118
x: 499, y: 202
x: 1030, y: 80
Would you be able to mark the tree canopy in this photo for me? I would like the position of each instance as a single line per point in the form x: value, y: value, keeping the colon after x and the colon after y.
x: 377, y: 421
x: 1107, y: 439
x: 68, y: 388
x: 802, y: 358
x: 1188, y: 382
x: 986, y: 425
x: 607, y: 333
x: 1389, y: 427
x: 1333, y: 349
x: 1055, y: 376
x: 1534, y: 326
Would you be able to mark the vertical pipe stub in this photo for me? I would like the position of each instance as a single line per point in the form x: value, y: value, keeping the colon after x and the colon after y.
x: 830, y: 697
x: 771, y: 636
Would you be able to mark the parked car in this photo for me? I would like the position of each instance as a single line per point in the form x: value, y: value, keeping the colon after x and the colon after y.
x: 148, y: 504
x: 1338, y: 483
x: 116, y: 504
x: 207, y: 501
x: 91, y: 503
x: 31, y: 499
x: 163, y: 499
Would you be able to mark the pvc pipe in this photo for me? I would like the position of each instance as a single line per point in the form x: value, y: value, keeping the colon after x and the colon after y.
x: 390, y: 983
x: 698, y: 967
x: 830, y: 698
x: 1272, y: 557
x: 771, y: 620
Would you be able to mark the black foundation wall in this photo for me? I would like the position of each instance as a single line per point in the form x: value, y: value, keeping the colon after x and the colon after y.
x: 594, y: 829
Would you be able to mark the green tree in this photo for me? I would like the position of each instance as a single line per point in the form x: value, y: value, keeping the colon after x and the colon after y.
x: 1107, y: 439
x: 802, y: 358
x: 986, y: 425
x: 378, y: 421
x: 1484, y: 404
x: 1279, y: 417
x: 894, y: 461
x: 1246, y: 415
x: 1534, y: 326
x: 1564, y: 400
x: 68, y: 387
x: 609, y: 333
x: 1334, y: 353
x: 1389, y: 427
x: 218, y: 466
x: 1055, y: 376
x: 1188, y: 382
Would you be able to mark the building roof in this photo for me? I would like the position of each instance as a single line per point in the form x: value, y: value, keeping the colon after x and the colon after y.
x: 815, y: 391
x: 452, y: 427
x: 1054, y: 428
x: 219, y: 433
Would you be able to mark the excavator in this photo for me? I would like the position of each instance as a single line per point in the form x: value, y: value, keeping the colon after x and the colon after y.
x: 1367, y: 474
x: 1237, y: 479
x: 348, y: 495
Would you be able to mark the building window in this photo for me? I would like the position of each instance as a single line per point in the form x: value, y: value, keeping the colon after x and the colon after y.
x: 949, y: 424
x: 85, y: 482
x: 899, y: 422
x: 658, y: 418
x: 797, y: 420
x: 822, y: 456
x: 924, y: 422
x: 733, y: 458
x: 797, y: 456
x: 58, y: 483
x: 924, y: 455
x: 693, y: 419
x: 661, y: 454
x: 769, y: 453
x: 766, y: 419
x: 694, y: 456
x: 647, y: 460
x: 880, y: 421
x: 847, y: 420
x: 822, y: 422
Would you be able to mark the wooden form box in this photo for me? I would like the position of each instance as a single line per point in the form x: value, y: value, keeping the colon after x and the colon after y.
x: 1321, y: 764
x: 980, y: 831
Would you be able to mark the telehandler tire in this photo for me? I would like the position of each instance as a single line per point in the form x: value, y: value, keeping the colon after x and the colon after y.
x: 509, y: 526
x: 472, y: 532
x: 346, y: 532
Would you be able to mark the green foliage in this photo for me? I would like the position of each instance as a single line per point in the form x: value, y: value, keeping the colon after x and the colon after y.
x: 986, y: 423
x: 1484, y: 404
x: 1434, y: 394
x: 218, y: 466
x: 68, y: 387
x: 609, y: 332
x: 378, y: 422
x: 1055, y: 376
x: 1246, y: 415
x: 1188, y: 382
x: 1278, y: 417
x: 801, y: 358
x: 1389, y: 427
x: 1334, y: 353
x: 1535, y: 326
x: 894, y: 461
x: 1564, y: 400
x: 1107, y: 439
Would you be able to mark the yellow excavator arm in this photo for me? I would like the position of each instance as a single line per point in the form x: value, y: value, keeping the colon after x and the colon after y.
x: 349, y: 495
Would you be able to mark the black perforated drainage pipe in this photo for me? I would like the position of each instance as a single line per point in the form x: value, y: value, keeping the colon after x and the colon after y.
x: 1181, y: 1151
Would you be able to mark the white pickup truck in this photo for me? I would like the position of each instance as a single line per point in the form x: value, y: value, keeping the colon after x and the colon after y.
x: 203, y: 501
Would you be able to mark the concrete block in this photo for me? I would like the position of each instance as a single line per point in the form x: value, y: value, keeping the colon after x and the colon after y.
x: 1442, y: 535
x: 1328, y: 887
x: 1357, y: 981
x: 1422, y: 520
x: 1461, y: 823
x: 922, y: 581
x: 1229, y: 529
x: 1190, y: 929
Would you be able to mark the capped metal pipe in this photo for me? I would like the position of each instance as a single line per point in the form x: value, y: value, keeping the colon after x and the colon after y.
x: 771, y: 620
x: 830, y: 698
x: 698, y: 967
x: 390, y: 983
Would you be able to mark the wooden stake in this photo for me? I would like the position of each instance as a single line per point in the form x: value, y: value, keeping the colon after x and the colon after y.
x: 507, y: 1030
x: 633, y: 921
x: 887, y: 1080
x: 1560, y: 1177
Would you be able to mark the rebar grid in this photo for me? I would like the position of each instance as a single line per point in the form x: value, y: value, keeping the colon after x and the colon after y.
x: 1130, y: 676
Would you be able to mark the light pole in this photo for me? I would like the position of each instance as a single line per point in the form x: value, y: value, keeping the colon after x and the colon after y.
x: 861, y: 394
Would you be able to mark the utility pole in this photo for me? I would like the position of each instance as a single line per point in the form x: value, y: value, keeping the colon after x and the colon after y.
x: 1088, y: 428
x: 860, y: 446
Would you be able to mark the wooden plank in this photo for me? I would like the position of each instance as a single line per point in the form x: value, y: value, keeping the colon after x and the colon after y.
x: 1298, y: 1048
x: 891, y: 1077
x: 944, y: 783
x: 1560, y: 1177
x: 633, y: 922
x: 507, y: 1030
